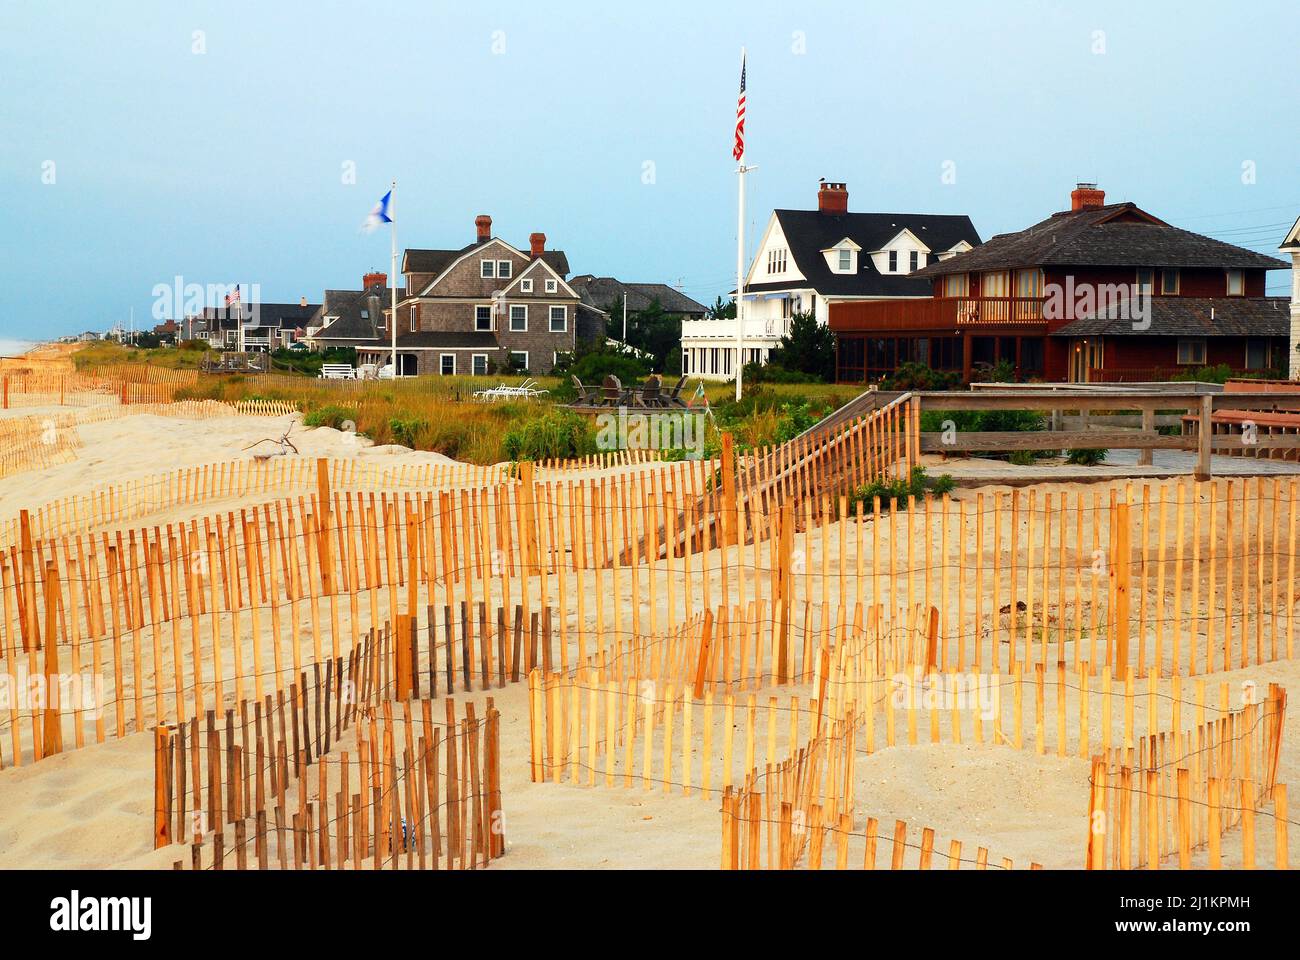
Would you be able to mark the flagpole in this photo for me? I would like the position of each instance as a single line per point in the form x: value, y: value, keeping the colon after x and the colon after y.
x: 392, y: 281
x: 740, y: 263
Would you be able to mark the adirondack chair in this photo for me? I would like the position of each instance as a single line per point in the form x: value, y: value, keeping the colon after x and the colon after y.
x: 587, y: 396
x: 650, y: 392
x: 611, y: 391
x: 673, y: 398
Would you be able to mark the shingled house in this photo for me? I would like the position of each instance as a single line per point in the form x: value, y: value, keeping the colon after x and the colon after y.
x: 354, y: 318
x: 483, y: 307
x: 1097, y: 293
x: 809, y: 261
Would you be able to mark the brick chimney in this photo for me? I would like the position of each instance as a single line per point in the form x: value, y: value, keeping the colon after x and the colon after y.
x: 483, y: 226
x: 833, y: 199
x: 372, y: 279
x: 537, y: 244
x: 1086, y: 196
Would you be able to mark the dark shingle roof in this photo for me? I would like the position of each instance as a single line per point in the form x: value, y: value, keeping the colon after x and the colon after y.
x: 443, y: 338
x: 348, y: 305
x: 1190, y: 317
x: 808, y: 232
x: 603, y: 292
x: 285, y: 316
x: 436, y: 261
x: 1118, y: 235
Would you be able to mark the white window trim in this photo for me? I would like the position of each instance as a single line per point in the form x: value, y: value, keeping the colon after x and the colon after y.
x: 511, y: 353
x: 510, y: 318
x: 472, y: 358
x: 441, y: 358
x: 414, y: 319
x: 550, y: 319
x: 487, y: 269
x: 1241, y: 277
x: 526, y: 285
x: 477, y: 308
x: 552, y: 286
x: 509, y: 270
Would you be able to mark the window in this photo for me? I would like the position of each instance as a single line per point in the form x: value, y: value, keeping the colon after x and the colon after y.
x: 518, y: 318
x: 552, y: 286
x: 1029, y: 283
x: 526, y: 286
x: 893, y: 261
x: 365, y: 314
x: 1236, y: 283
x: 1257, y: 354
x: 559, y: 320
x: 483, y: 318
x: 1191, y: 352
x: 487, y: 269
x: 503, y: 269
x: 1169, y: 283
x: 447, y: 364
x: 519, y: 359
x: 561, y: 357
x: 913, y: 260
x: 1146, y: 280
x: 846, y: 261
x: 956, y: 285
x: 776, y: 261
x: 415, y: 318
x: 995, y: 285
x: 478, y: 364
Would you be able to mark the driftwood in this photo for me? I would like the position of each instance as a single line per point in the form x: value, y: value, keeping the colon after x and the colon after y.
x: 282, y: 447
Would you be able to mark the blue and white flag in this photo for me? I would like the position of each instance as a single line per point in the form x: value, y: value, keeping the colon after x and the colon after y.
x: 380, y: 215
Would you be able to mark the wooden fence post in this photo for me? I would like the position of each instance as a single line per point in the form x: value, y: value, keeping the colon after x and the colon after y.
x: 1205, y: 437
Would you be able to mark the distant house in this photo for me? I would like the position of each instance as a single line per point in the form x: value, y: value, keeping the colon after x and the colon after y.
x: 266, y: 326
x: 352, y: 318
x: 808, y: 260
x: 1097, y: 293
x: 486, y: 306
x: 606, y: 294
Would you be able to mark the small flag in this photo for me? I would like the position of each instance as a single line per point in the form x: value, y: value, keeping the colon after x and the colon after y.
x: 739, y: 150
x: 380, y: 215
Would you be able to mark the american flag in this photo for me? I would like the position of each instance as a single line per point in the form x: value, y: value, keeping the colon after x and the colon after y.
x: 233, y: 297
x: 739, y: 150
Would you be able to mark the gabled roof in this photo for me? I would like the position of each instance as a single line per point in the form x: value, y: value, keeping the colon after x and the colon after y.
x: 1116, y: 235
x: 285, y: 316
x: 808, y: 232
x: 1292, y: 241
x: 604, y: 292
x: 436, y: 261
x: 348, y: 306
x: 1191, y: 317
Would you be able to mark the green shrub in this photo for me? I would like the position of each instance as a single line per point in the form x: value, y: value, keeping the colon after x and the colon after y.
x: 557, y: 434
x: 330, y: 416
x: 1086, y: 457
x: 918, y: 376
x: 406, y: 430
x: 917, y: 484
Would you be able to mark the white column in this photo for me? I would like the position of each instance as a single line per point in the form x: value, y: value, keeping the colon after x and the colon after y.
x: 1294, y: 356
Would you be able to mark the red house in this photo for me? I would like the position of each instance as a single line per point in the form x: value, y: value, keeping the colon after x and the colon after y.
x: 1096, y: 293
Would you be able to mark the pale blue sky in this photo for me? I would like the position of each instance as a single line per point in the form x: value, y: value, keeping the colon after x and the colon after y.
x: 227, y: 165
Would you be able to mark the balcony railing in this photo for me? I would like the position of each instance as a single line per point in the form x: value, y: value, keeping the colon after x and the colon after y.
x: 725, y: 329
x: 936, y: 314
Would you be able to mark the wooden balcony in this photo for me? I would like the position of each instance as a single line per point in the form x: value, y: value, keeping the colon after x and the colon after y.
x: 954, y: 315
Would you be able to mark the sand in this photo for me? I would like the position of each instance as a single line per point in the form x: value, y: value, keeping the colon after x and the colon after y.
x: 92, y: 807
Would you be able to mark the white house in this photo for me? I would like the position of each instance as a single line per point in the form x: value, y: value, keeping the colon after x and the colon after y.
x: 1291, y: 245
x: 808, y: 259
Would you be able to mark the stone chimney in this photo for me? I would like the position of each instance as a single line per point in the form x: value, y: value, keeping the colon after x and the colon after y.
x: 537, y: 244
x: 833, y: 199
x: 483, y: 227
x: 372, y: 279
x: 1086, y: 196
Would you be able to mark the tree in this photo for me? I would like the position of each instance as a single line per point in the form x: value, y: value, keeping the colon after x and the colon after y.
x: 722, y: 311
x: 652, y: 330
x: 808, y: 348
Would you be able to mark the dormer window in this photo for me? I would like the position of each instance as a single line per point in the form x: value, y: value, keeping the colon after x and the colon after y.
x: 893, y: 261
x: 487, y: 269
x: 846, y: 261
x: 913, y: 261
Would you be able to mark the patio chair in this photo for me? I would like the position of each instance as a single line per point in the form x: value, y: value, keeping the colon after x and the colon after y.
x: 611, y: 391
x: 673, y: 398
x: 587, y: 396
x: 650, y: 392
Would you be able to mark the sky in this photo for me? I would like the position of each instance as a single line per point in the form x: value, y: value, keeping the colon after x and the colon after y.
x: 231, y: 141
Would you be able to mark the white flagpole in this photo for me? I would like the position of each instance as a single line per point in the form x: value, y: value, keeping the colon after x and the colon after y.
x: 392, y: 280
x: 740, y: 259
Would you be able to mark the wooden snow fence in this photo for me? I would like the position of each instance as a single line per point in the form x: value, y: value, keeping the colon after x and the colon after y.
x: 426, y: 795
x: 1157, y: 802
